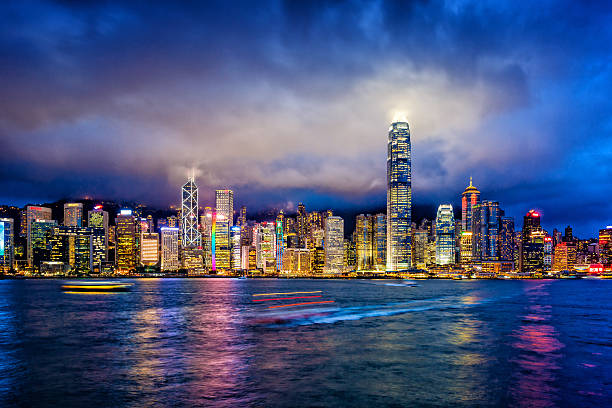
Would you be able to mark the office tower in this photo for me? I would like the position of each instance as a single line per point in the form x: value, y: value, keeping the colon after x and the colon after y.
x: 569, y: 235
x: 78, y: 247
x: 126, y: 242
x: 445, y: 235
x: 565, y: 257
x: 190, y: 237
x: 469, y: 199
x: 334, y: 244
x: 297, y: 260
x: 73, y: 214
x: 236, y: 247
x: 419, y: 247
x: 98, y: 218
x: 399, y: 197
x: 149, y: 248
x: 531, y: 257
x: 242, y: 218
x: 224, y: 203
x: 302, y: 225
x: 169, y: 249
x: 548, y: 252
x: 465, y: 247
x: 486, y: 218
x: 206, y: 221
x: 265, y: 246
x: 34, y: 213
x: 23, y: 223
x: 220, y: 242
x: 364, y: 236
x: 244, y: 257
x: 191, y: 258
x: 317, y: 260
x: 506, y: 239
x: 7, y: 244
x: 379, y: 252
x: 605, y: 245
x: 40, y: 232
x: 280, y: 240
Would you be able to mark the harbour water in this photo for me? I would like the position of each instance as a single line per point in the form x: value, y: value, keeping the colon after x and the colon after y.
x: 211, y: 342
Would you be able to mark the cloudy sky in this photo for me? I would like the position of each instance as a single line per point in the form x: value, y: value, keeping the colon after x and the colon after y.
x: 291, y: 101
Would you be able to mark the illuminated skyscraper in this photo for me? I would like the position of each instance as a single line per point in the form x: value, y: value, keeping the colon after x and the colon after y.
x: 532, y: 243
x: 34, y: 213
x: 334, y: 244
x: 169, y: 249
x: 379, y: 243
x: 7, y: 244
x: 224, y: 203
x: 73, y: 214
x: 486, y: 219
x: 302, y: 225
x: 399, y: 197
x: 126, y: 242
x: 469, y: 199
x: 605, y: 245
x: 40, y: 232
x: 445, y: 235
x: 506, y: 239
x: 465, y: 247
x: 265, y: 241
x: 99, y: 218
x: 206, y: 221
x: 220, y: 244
x: 236, y: 254
x: 364, y: 235
x: 280, y: 240
x: 149, y: 248
x: 190, y: 237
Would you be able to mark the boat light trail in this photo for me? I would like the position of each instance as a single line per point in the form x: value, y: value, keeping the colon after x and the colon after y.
x: 286, y: 293
x: 300, y: 304
x: 287, y: 298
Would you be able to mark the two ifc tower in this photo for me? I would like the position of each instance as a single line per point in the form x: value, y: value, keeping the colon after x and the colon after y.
x: 399, y: 201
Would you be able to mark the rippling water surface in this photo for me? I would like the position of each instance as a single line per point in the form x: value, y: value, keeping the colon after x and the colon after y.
x: 199, y: 342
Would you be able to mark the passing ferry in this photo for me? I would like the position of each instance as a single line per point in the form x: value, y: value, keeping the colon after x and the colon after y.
x: 97, y: 286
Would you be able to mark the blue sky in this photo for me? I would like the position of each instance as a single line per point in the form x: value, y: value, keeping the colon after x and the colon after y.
x: 291, y: 101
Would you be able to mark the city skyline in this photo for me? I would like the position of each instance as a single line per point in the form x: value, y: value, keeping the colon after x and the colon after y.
x: 491, y: 99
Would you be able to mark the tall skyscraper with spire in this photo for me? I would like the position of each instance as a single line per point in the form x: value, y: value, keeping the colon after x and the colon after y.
x: 399, y: 197
x: 469, y: 199
x: 191, y: 237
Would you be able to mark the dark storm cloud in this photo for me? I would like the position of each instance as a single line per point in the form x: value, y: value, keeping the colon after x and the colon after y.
x: 292, y: 99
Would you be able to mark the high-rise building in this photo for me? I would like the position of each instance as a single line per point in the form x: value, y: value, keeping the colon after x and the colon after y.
x: 265, y: 241
x: 465, y: 247
x: 506, y: 239
x: 206, y: 223
x: 34, y: 213
x: 334, y: 244
x: 469, y: 199
x: 565, y: 257
x: 7, y: 244
x: 149, y: 248
x: 486, y: 219
x: 224, y: 203
x: 605, y: 245
x: 220, y: 244
x: 364, y: 237
x: 280, y: 240
x: 399, y: 197
x: 531, y: 257
x: 81, y: 248
x: 98, y: 218
x: 190, y: 236
x: 297, y: 260
x: 73, y: 214
x: 126, y: 242
x: 419, y: 247
x: 169, y: 249
x: 236, y: 254
x: 302, y: 225
x: 445, y: 235
x: 40, y: 232
x: 379, y: 226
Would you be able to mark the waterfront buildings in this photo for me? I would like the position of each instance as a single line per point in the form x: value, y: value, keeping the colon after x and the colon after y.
x: 265, y: 244
x: 149, y: 248
x: 399, y: 197
x: 169, y: 249
x: 486, y: 218
x: 34, y: 213
x: 224, y: 205
x: 334, y: 244
x: 126, y: 241
x: 445, y: 235
x: 7, y: 244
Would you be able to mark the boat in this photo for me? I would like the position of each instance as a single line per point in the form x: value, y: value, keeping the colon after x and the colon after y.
x: 97, y: 287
